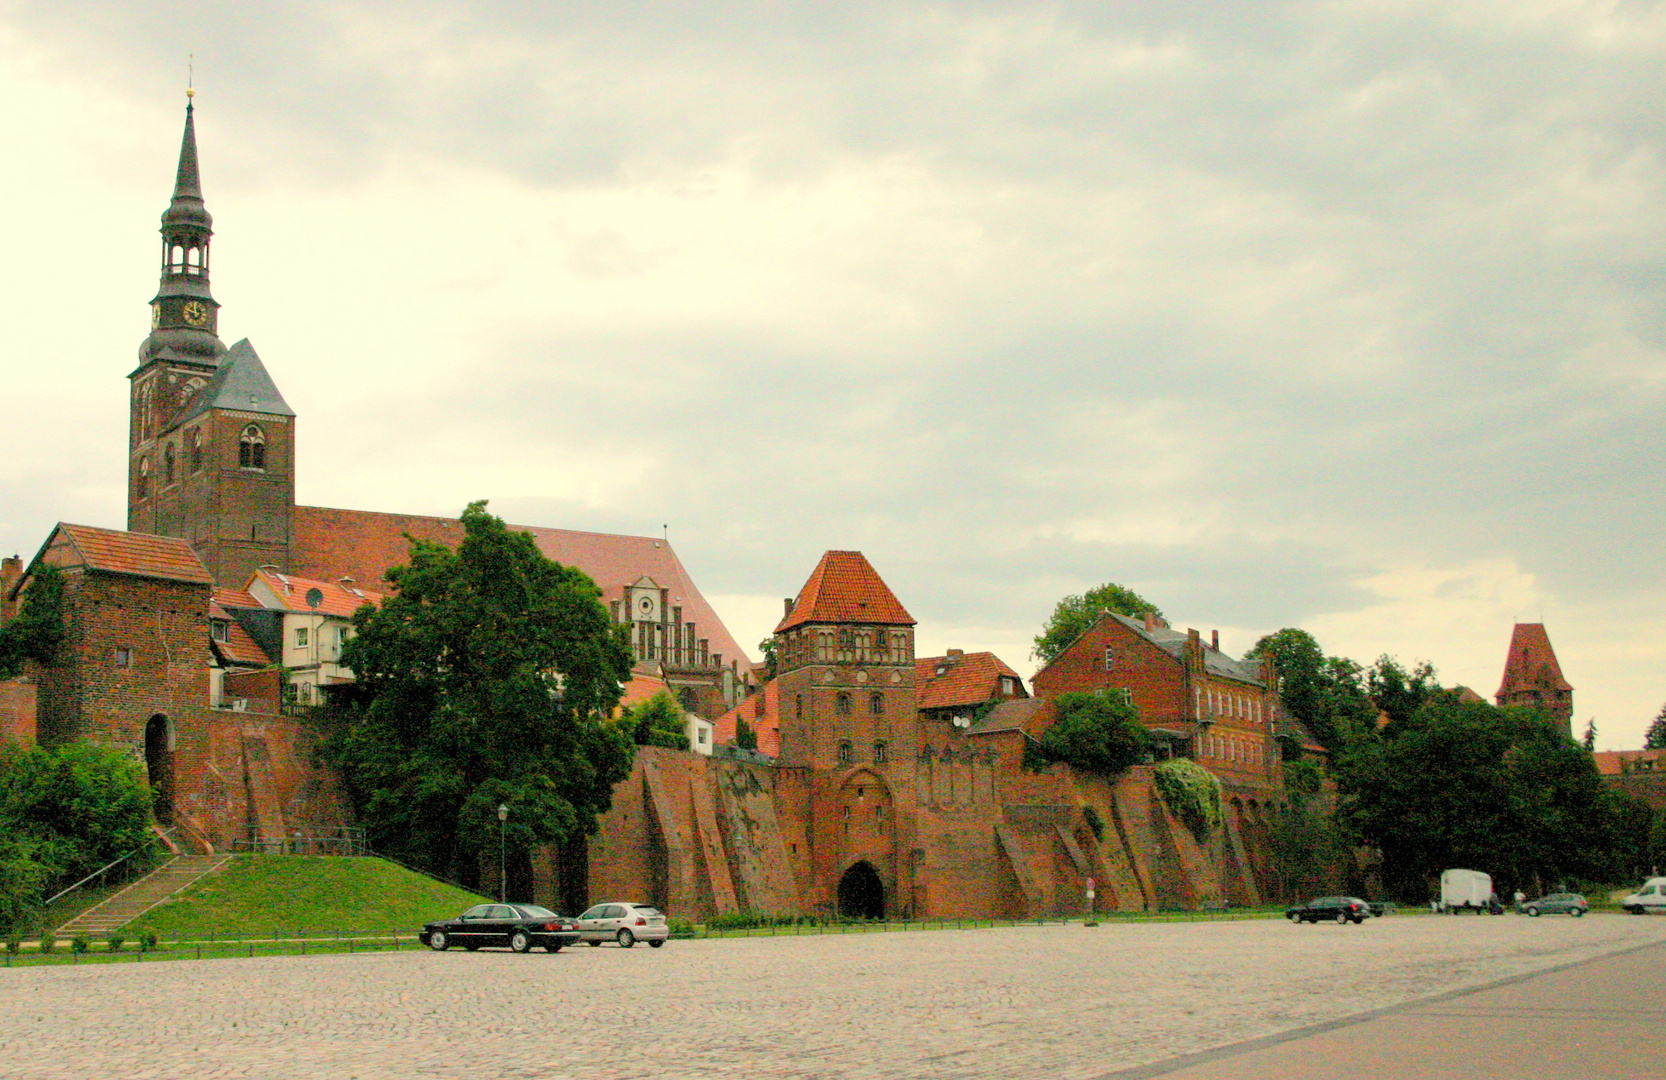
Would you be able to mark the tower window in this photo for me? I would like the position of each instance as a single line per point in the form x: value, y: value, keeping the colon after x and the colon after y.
x: 842, y: 703
x: 168, y: 465
x: 196, y: 451
x: 845, y: 756
x: 141, y: 486
x: 798, y: 707
x: 251, y: 449
x: 876, y: 704
x: 881, y: 753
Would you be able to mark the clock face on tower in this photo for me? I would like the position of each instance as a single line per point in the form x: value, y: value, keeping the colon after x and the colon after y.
x: 195, y: 312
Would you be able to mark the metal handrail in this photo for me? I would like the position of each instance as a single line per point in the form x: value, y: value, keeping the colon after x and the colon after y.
x: 164, y: 834
x: 417, y: 870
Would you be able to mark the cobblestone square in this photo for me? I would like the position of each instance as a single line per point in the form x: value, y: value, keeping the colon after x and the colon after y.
x: 1055, y: 1001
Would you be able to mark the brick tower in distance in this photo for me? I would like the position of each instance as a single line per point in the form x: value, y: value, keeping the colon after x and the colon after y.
x: 1533, y: 676
x: 848, y: 718
x: 211, y: 447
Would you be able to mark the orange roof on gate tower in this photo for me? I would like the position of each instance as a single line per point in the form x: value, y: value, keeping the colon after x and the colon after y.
x: 845, y: 588
x: 1531, y: 660
x: 138, y: 554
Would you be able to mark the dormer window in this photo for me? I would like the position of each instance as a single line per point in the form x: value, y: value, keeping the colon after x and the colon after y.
x: 218, y: 630
x: 251, y: 449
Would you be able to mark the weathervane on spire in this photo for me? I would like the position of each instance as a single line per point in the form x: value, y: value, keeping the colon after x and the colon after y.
x: 190, y: 78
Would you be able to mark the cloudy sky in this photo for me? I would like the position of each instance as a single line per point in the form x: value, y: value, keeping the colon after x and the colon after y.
x: 1349, y: 316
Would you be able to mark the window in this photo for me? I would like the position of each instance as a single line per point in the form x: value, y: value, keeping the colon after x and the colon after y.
x: 844, y: 753
x: 1110, y: 660
x: 876, y: 704
x: 141, y: 486
x: 122, y: 656
x: 168, y: 465
x: 700, y: 736
x: 196, y: 451
x: 798, y: 707
x: 218, y: 630
x: 842, y: 703
x: 880, y: 753
x: 251, y: 448
x: 300, y: 637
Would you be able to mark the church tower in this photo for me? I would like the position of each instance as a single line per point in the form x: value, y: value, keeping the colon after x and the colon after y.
x: 211, y: 446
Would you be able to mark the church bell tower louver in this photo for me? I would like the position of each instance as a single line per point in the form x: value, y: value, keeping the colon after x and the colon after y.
x: 211, y: 440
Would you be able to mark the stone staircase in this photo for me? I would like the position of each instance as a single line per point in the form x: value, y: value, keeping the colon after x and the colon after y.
x: 142, y: 895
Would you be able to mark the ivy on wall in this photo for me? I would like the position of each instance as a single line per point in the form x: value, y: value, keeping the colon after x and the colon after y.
x: 1192, y: 794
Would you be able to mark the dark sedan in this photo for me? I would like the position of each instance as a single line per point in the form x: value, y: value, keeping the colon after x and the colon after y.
x: 519, y: 926
x: 1337, y: 909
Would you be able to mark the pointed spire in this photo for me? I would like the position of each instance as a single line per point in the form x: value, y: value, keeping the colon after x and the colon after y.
x: 187, y: 207
x: 184, y: 315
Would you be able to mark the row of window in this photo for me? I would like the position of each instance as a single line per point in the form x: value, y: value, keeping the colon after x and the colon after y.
x: 1235, y: 750
x: 251, y: 454
x: 303, y: 636
x: 847, y: 753
x: 847, y: 645
x: 845, y: 705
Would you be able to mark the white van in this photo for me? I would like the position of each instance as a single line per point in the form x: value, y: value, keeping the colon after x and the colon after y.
x: 1650, y: 899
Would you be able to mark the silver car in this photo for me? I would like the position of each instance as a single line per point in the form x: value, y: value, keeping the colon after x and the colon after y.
x: 625, y: 923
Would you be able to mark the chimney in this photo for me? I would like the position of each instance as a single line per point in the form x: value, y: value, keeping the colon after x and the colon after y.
x: 790, y: 603
x: 1215, y: 641
x: 1150, y: 621
x: 955, y: 654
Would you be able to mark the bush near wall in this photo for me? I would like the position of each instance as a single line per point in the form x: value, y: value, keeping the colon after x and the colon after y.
x: 1192, y: 794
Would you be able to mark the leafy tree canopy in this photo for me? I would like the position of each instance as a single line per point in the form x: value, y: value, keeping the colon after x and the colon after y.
x: 1328, y: 694
x: 1074, y: 614
x: 37, y: 629
x: 486, y: 678
x: 1469, y: 784
x: 1656, y: 738
x: 657, y: 721
x: 1097, y: 732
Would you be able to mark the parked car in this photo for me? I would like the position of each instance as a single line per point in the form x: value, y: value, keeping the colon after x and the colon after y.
x: 519, y: 926
x: 1338, y: 909
x: 1379, y: 908
x: 625, y: 923
x: 1557, y: 903
x: 1650, y: 899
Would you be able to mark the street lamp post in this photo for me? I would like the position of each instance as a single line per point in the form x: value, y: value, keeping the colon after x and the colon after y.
x: 502, y: 858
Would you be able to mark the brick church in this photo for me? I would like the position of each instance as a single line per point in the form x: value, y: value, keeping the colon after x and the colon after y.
x: 883, y: 783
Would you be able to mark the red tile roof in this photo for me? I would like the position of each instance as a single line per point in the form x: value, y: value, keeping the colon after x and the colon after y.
x: 641, y: 688
x: 239, y: 648
x: 844, y: 588
x: 1618, y: 762
x: 942, y: 682
x: 762, y: 712
x: 1532, y: 662
x: 234, y: 598
x: 138, y: 554
x: 295, y: 593
x: 365, y: 543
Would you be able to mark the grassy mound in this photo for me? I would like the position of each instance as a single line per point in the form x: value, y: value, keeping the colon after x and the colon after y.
x: 288, y: 895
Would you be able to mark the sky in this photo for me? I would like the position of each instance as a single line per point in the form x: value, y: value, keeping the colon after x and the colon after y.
x: 1346, y: 316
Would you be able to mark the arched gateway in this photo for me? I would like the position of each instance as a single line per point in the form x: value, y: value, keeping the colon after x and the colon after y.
x: 861, y: 893
x: 159, y: 767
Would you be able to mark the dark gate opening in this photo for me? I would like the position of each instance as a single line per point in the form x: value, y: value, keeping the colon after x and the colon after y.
x: 159, y: 767
x: 861, y: 893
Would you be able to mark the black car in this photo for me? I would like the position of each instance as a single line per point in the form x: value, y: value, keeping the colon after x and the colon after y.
x: 1337, y: 909
x: 519, y: 926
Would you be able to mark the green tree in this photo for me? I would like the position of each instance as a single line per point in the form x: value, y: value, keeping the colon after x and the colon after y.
x: 767, y: 649
x: 486, y: 678
x: 1656, y: 738
x: 38, y: 628
x: 1073, y: 615
x: 1097, y: 732
x: 657, y: 721
x: 1589, y: 740
x: 1328, y: 694
x: 745, y: 737
x: 1397, y: 692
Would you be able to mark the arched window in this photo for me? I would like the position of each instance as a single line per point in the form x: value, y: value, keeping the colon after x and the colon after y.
x: 844, y: 754
x: 798, y: 707
x: 880, y: 753
x: 168, y: 465
x: 251, y: 449
x: 842, y: 703
x: 141, y: 486
x: 196, y: 451
x: 876, y: 704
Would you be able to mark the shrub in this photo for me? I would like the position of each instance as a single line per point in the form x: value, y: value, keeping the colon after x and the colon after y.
x: 1096, y: 732
x: 1192, y: 794
x: 48, y: 941
x: 14, y: 942
x: 115, y: 941
x: 79, y: 944
x: 147, y: 941
x: 1302, y: 778
x: 680, y: 928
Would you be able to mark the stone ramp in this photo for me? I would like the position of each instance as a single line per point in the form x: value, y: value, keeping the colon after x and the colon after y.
x: 139, y: 897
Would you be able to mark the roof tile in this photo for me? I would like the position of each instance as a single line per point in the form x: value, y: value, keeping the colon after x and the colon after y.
x: 138, y: 554
x: 845, y: 588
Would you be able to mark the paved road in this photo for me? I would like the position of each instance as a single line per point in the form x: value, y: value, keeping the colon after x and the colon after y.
x: 1066, y: 1002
